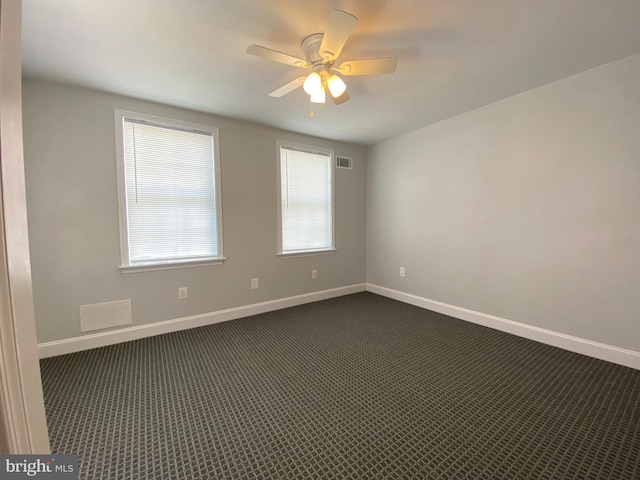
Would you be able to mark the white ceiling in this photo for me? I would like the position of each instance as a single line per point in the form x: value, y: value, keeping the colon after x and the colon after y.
x: 454, y: 55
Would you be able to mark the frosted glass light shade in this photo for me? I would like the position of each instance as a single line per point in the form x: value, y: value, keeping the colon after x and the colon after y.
x: 313, y: 83
x: 336, y: 86
x: 318, y: 97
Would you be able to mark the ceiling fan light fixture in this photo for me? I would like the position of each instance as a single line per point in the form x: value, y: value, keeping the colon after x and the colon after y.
x: 313, y: 84
x: 321, y: 53
x: 318, y: 97
x: 336, y: 86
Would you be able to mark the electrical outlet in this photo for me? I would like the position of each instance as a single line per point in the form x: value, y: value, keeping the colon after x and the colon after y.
x: 254, y: 283
x: 183, y: 293
x: 402, y: 272
x: 314, y: 273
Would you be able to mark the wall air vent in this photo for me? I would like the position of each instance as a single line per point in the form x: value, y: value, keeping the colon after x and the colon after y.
x: 344, y: 162
x: 105, y: 315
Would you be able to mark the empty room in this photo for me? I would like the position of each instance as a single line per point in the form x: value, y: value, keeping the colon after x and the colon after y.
x: 337, y: 239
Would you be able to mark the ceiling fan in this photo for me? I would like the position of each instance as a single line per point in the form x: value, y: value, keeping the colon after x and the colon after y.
x: 321, y: 51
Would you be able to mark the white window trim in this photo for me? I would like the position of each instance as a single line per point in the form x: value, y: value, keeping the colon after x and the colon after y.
x: 307, y: 253
x: 309, y: 149
x: 125, y: 266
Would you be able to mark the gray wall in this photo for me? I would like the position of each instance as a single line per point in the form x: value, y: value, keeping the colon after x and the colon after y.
x: 527, y: 209
x: 72, y: 206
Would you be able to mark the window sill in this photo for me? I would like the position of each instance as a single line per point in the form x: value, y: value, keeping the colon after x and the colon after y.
x: 307, y: 253
x: 171, y: 265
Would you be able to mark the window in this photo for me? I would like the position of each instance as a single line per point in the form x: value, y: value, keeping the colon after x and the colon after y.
x: 305, y: 199
x: 169, y: 192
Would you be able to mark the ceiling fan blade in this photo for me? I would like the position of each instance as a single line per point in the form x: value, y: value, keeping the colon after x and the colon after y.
x: 341, y: 99
x: 372, y: 66
x: 338, y: 30
x: 288, y: 88
x: 269, y: 54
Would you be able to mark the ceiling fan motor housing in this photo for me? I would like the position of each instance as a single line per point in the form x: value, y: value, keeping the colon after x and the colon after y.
x: 311, y: 48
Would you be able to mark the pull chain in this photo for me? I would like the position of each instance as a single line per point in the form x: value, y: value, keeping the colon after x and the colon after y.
x: 312, y: 113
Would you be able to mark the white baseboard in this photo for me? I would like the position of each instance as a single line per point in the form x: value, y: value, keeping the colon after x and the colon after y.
x: 111, y: 337
x: 621, y: 356
x: 602, y: 351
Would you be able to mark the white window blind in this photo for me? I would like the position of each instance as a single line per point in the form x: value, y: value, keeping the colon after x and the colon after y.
x: 172, y: 197
x: 306, y: 200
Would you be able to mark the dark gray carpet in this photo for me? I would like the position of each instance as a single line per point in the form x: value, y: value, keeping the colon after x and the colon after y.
x: 357, y: 387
